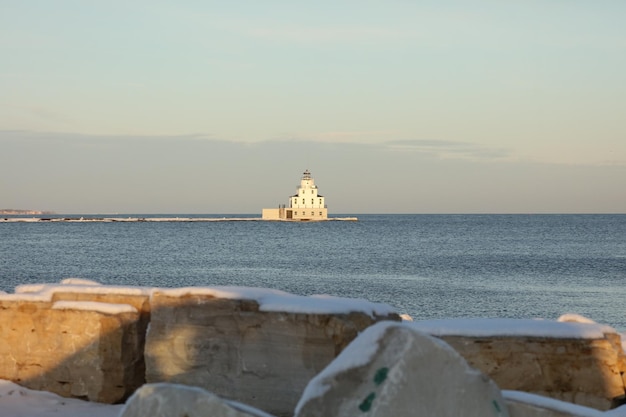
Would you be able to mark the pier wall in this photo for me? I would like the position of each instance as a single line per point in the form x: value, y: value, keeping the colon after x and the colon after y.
x: 271, y: 214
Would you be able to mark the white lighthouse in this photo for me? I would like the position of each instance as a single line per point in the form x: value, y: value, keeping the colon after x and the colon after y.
x: 306, y: 204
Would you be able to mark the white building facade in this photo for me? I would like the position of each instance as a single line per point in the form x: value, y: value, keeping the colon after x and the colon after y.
x: 306, y: 204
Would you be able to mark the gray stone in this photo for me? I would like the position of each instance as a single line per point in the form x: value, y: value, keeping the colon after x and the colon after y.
x: 394, y: 370
x: 172, y: 400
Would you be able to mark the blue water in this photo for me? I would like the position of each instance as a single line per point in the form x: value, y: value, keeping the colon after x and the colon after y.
x: 429, y: 266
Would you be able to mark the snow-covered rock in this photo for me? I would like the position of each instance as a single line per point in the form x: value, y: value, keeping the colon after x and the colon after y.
x: 391, y: 369
x: 262, y: 347
x: 77, y: 289
x: 259, y: 347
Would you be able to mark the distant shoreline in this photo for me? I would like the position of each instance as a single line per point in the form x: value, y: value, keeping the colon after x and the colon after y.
x: 16, y: 212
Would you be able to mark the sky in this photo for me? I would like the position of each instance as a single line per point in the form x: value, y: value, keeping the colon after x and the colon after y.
x: 394, y: 106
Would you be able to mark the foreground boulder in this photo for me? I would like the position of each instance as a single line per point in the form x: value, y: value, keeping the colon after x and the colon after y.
x: 85, y: 350
x: 580, y: 363
x: 171, y: 400
x: 394, y: 370
x: 259, y: 347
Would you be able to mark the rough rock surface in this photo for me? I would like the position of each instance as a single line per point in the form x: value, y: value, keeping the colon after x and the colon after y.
x: 394, y: 370
x: 172, y: 400
x: 74, y: 353
x: 581, y: 371
x: 231, y: 348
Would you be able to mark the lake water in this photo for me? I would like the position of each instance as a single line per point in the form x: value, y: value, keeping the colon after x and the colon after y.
x: 429, y: 266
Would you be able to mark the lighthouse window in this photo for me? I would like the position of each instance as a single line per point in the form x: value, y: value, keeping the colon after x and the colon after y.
x: 320, y: 213
x: 312, y: 213
x: 312, y: 201
x: 295, y: 213
x: 303, y: 201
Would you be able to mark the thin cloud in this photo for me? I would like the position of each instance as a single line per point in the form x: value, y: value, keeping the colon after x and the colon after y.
x: 350, y: 136
x: 449, y: 149
x: 326, y: 33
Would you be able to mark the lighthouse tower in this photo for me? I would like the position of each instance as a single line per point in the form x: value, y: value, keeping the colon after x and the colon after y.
x: 306, y: 204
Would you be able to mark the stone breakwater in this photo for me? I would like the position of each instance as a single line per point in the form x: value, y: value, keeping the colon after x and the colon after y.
x: 157, y: 219
x: 287, y: 354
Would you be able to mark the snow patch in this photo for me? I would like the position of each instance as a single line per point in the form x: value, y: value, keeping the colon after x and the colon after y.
x: 575, y: 318
x: 616, y: 412
x: 17, y: 401
x: 268, y: 299
x: 280, y: 301
x: 30, y: 288
x: 569, y: 409
x: 105, y: 308
x: 78, y: 281
x: 30, y: 297
x: 47, y: 290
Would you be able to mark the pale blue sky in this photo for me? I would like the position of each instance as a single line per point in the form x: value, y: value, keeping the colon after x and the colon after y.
x: 395, y: 106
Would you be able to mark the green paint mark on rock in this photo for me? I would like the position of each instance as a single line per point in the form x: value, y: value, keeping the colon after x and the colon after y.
x: 381, y: 375
x: 367, y: 403
x: 379, y: 378
x: 497, y: 407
